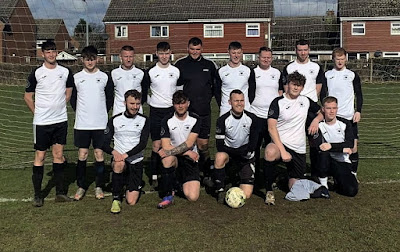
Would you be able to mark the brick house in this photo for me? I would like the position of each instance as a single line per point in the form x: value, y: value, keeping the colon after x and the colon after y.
x: 144, y: 23
x: 17, y: 37
x: 370, y: 28
x: 55, y: 30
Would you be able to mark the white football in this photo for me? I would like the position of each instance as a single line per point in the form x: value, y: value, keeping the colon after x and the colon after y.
x: 235, y: 197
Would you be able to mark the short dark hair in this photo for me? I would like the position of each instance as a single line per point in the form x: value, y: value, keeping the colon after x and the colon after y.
x: 133, y: 93
x: 163, y: 46
x: 195, y: 41
x: 264, y: 49
x: 339, y: 51
x: 48, y: 45
x: 179, y: 97
x: 302, y: 42
x: 329, y: 99
x: 89, y: 52
x: 234, y: 45
x: 297, y: 78
x: 235, y: 91
x: 127, y: 48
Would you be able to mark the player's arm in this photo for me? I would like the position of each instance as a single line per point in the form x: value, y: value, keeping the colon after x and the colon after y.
x: 214, y: 76
x: 108, y: 136
x: 145, y: 86
x: 74, y: 98
x: 252, y: 86
x: 69, y: 86
x: 359, y: 97
x: 28, y: 97
x: 169, y: 150
x: 314, y: 109
x: 283, y: 79
x: 218, y: 86
x: 30, y: 91
x: 144, y: 136
x: 109, y: 92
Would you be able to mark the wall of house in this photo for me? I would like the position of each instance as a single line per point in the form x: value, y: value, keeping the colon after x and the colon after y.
x: 377, y: 37
x: 179, y: 34
x: 60, y: 38
x: 19, y: 46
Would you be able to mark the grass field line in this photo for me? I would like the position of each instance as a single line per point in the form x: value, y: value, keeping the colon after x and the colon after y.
x: 5, y: 200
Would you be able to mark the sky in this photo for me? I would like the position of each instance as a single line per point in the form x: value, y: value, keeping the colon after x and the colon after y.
x: 93, y: 10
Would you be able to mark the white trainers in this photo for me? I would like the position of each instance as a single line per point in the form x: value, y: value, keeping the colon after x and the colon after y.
x: 98, y: 192
x: 79, y: 193
x: 270, y: 198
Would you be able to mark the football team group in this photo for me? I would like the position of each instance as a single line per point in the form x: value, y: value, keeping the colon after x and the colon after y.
x: 259, y: 109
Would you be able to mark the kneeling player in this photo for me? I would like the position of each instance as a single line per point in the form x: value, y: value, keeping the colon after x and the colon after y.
x: 335, y: 140
x: 130, y: 131
x: 179, y: 131
x: 236, y: 139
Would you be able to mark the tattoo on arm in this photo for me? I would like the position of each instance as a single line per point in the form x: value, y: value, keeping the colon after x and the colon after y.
x: 177, y: 150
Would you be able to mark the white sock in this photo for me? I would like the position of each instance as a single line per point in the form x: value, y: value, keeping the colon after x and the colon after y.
x: 324, y: 181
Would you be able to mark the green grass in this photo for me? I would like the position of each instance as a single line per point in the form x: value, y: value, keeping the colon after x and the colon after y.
x: 368, y: 222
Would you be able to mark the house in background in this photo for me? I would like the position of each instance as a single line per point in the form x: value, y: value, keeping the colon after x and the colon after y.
x: 144, y: 23
x: 54, y: 30
x: 17, y: 32
x: 321, y: 31
x: 370, y: 28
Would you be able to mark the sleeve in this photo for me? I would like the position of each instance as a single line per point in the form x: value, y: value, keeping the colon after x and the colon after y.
x: 144, y: 136
x: 284, y: 76
x: 252, y: 86
x: 324, y: 88
x: 214, y: 77
x: 70, y: 79
x: 320, y: 76
x: 145, y: 86
x: 109, y: 91
x: 181, y: 81
x: 254, y: 133
x: 280, y: 82
x: 31, y: 82
x: 164, y: 128
x: 218, y: 86
x: 358, y: 92
x: 273, y: 111
x: 196, y: 126
x: 108, y: 136
x: 74, y: 97
x: 314, y: 107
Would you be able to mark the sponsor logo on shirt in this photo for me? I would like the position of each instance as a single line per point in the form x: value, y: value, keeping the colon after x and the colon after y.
x: 119, y: 78
x: 120, y: 127
x: 157, y: 75
x: 206, y: 70
x: 82, y: 81
x: 258, y: 76
x: 288, y: 107
x: 226, y: 74
x: 42, y: 77
x: 174, y: 128
x: 332, y: 77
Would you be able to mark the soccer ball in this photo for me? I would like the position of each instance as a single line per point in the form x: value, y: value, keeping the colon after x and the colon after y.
x: 235, y: 197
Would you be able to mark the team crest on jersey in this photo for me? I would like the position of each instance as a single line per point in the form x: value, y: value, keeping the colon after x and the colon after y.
x: 241, y: 73
x: 273, y: 77
x: 171, y: 75
x: 339, y: 131
x: 187, y: 126
x: 311, y: 71
x: 133, y: 76
x: 98, y: 80
x: 301, y: 104
x: 60, y: 76
x: 345, y: 76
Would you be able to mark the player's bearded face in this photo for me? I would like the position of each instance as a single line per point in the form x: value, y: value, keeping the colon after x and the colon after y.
x: 132, y: 105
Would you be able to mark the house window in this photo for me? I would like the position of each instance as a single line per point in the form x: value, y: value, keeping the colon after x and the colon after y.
x: 395, y: 28
x: 253, y: 30
x: 249, y: 57
x: 358, y: 29
x: 115, y: 58
x: 148, y: 57
x: 121, y: 31
x: 391, y: 54
x: 66, y: 44
x: 39, y: 43
x: 213, y: 30
x: 159, y: 31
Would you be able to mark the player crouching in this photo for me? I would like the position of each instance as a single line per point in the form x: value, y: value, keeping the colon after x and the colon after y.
x: 179, y: 154
x: 130, y: 131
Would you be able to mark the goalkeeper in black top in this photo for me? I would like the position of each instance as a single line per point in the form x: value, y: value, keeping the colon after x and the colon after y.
x: 236, y: 138
x: 198, y: 78
x: 130, y: 131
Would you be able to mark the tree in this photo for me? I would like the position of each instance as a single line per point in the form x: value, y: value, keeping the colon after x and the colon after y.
x: 80, y: 28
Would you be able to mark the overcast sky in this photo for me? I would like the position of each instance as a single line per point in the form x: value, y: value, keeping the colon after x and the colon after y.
x: 72, y: 10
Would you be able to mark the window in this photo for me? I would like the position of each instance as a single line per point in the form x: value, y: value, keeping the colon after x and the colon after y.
x: 66, y: 44
x: 121, y: 31
x: 213, y: 30
x: 391, y: 54
x: 148, y: 57
x: 253, y: 30
x: 395, y: 28
x: 358, y: 29
x: 39, y: 43
x: 115, y: 58
x: 159, y: 31
x: 249, y: 57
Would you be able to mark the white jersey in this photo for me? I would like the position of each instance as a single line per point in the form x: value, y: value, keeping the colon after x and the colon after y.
x: 313, y: 73
x: 162, y: 85
x: 335, y: 133
x: 233, y: 78
x: 291, y: 115
x: 342, y: 85
x: 267, y: 86
x: 178, y: 130
x: 91, y: 110
x: 49, y: 86
x: 125, y: 80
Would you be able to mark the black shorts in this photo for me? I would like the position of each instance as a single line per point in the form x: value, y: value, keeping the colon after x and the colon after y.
x: 45, y: 136
x: 205, y: 127
x: 296, y: 168
x: 187, y: 170
x: 354, y: 126
x: 246, y: 168
x: 156, y: 115
x: 134, y: 174
x: 262, y: 125
x: 83, y: 138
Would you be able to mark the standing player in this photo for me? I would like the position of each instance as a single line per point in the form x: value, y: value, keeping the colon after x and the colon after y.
x: 130, y: 131
x: 236, y: 139
x: 265, y: 85
x: 91, y: 99
x: 198, y: 77
x: 127, y: 77
x: 162, y: 81
x: 51, y: 85
x: 232, y: 76
x: 286, y: 123
x: 335, y: 140
x: 312, y: 88
x: 179, y: 132
x: 345, y: 85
